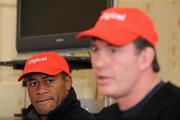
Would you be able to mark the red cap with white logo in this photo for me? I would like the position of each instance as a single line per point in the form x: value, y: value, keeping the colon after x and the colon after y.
x: 120, y: 26
x: 50, y: 63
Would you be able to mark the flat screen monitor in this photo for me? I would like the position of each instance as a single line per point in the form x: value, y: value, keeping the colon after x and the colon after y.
x: 53, y: 24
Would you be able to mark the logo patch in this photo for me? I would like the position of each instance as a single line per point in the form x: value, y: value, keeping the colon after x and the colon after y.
x: 113, y: 16
x: 35, y: 60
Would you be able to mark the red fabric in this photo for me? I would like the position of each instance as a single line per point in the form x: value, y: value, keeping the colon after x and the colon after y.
x: 49, y: 63
x: 120, y: 26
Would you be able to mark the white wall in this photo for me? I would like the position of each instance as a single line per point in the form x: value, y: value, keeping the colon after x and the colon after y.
x: 165, y: 14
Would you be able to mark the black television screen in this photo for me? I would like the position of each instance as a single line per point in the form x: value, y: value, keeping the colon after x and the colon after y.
x: 53, y: 24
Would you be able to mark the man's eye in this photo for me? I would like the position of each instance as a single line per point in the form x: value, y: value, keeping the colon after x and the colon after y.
x: 32, y: 84
x: 113, y: 50
x: 94, y: 49
x: 49, y: 81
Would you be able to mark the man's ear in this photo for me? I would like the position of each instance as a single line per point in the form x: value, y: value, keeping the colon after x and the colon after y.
x: 146, y: 58
x: 68, y: 82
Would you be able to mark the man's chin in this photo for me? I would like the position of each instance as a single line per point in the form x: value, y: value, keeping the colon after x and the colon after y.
x: 44, y: 110
x: 104, y: 91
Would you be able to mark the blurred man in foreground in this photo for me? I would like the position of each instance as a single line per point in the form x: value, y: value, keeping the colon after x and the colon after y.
x: 125, y: 65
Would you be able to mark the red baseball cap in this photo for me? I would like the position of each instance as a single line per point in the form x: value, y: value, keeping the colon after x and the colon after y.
x: 50, y: 63
x: 120, y: 26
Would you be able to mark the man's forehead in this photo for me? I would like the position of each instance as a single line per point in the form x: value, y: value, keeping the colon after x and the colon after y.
x: 96, y: 41
x: 32, y: 75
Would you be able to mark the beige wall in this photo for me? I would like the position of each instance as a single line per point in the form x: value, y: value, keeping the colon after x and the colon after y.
x: 165, y: 14
x: 10, y: 92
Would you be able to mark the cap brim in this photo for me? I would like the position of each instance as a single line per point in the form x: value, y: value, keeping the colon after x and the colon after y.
x: 45, y: 71
x: 113, y: 36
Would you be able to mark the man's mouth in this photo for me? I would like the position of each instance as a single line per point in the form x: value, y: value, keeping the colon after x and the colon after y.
x: 43, y: 100
x: 102, y: 79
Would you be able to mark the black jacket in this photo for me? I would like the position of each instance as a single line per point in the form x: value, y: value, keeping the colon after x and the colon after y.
x: 69, y: 109
x: 164, y: 104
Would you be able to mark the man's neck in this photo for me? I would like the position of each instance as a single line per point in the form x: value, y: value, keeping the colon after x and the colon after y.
x: 44, y: 117
x: 139, y: 92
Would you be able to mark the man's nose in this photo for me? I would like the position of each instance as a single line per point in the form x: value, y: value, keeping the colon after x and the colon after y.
x: 100, y: 60
x: 42, y: 88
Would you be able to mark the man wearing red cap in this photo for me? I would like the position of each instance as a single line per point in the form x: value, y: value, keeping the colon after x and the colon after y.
x: 125, y: 65
x: 49, y: 85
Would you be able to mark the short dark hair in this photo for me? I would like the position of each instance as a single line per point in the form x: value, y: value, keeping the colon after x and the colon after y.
x: 63, y: 75
x: 141, y: 44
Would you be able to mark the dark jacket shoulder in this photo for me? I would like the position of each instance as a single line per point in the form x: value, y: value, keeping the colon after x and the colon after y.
x: 109, y: 113
x: 70, y: 109
x: 164, y: 104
